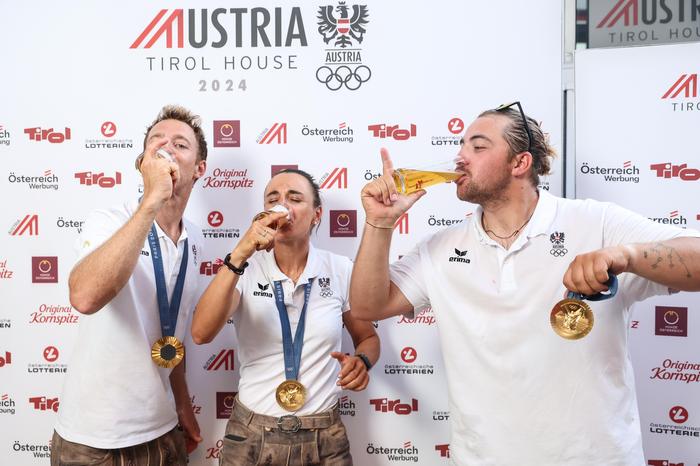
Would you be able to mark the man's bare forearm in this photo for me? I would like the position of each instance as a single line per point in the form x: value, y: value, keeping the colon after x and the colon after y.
x: 179, y: 386
x: 369, y: 287
x: 99, y: 276
x: 674, y: 263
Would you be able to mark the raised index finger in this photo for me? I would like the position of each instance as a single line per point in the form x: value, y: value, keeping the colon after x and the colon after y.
x: 387, y: 165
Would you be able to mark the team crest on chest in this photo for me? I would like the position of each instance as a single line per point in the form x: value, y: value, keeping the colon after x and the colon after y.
x: 558, y: 247
x: 325, y: 284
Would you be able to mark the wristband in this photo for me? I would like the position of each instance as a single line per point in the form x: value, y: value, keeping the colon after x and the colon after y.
x: 233, y: 268
x: 365, y: 360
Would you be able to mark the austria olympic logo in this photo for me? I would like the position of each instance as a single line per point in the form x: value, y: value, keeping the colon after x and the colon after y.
x: 343, y: 76
x: 343, y: 29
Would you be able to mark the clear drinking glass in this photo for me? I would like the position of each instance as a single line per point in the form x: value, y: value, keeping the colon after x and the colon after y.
x: 410, y: 180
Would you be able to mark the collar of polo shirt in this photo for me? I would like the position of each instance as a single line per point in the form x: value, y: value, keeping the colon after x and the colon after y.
x: 539, y: 224
x: 273, y: 272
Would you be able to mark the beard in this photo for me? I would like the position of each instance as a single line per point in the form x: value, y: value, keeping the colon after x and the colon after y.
x: 484, y: 192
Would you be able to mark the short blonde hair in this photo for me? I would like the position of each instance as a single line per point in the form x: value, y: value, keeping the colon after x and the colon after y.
x: 176, y: 112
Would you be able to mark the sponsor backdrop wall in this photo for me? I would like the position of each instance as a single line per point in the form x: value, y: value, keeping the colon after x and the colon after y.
x: 636, y: 144
x: 624, y: 23
x: 321, y: 86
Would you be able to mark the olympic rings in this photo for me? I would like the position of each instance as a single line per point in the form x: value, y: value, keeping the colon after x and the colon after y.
x: 343, y: 76
x: 558, y: 252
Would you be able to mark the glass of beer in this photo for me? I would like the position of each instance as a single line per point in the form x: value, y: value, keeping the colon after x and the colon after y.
x: 410, y: 180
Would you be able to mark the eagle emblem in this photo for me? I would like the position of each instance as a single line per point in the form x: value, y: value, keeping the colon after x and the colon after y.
x: 557, y: 237
x: 345, y: 27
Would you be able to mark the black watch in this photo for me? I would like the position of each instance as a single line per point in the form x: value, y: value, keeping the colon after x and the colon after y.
x: 365, y: 360
x: 233, y: 268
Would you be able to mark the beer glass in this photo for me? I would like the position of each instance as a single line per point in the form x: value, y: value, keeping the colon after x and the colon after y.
x: 410, y: 180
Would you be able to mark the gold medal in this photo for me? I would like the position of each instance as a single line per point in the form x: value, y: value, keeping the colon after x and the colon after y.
x: 571, y: 319
x: 290, y: 395
x: 167, y: 352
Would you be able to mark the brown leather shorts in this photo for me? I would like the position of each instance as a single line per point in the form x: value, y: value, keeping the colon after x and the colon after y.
x: 167, y: 450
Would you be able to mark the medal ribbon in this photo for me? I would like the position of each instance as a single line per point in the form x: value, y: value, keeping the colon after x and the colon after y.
x: 292, y: 348
x: 168, y: 313
x: 602, y: 296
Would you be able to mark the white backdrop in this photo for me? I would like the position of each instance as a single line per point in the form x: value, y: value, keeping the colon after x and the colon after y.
x: 78, y: 72
x: 637, y: 116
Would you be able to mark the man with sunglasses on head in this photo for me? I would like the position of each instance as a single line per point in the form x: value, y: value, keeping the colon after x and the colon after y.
x: 530, y: 381
x: 125, y: 398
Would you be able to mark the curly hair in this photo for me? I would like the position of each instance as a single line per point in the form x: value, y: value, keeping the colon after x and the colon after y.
x: 515, y: 135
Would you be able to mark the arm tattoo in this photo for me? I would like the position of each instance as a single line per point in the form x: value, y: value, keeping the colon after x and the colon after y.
x: 660, y: 253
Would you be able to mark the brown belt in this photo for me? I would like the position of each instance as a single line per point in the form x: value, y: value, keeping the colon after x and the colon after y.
x: 288, y: 423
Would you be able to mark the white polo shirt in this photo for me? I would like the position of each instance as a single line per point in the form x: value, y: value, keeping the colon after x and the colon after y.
x: 257, y: 325
x: 519, y: 394
x: 114, y: 395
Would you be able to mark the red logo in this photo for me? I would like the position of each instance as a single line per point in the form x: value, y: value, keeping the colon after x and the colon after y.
x: 455, y: 126
x: 224, y: 359
x: 210, y: 268
x: 672, y: 321
x: 227, y: 133
x: 338, y: 178
x: 108, y: 129
x: 215, y: 218
x: 224, y: 404
x: 29, y: 224
x: 687, y: 83
x: 54, y: 314
x: 4, y: 272
x: 215, y: 451
x: 678, y: 414
x: 55, y: 137
x: 45, y: 269
x: 443, y: 449
x: 386, y: 405
x: 99, y: 179
x: 275, y: 169
x: 663, y: 463
x: 7, y: 359
x: 343, y: 223
x: 409, y: 355
x: 276, y: 134
x: 627, y: 9
x: 51, y: 353
x: 41, y: 403
x: 382, y: 130
x: 402, y: 224
x: 166, y: 27
x: 425, y: 316
x: 669, y: 170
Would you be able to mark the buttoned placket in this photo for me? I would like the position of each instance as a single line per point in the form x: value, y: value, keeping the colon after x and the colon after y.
x: 293, y: 293
x: 174, y: 255
x: 293, y: 300
x: 506, y: 259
